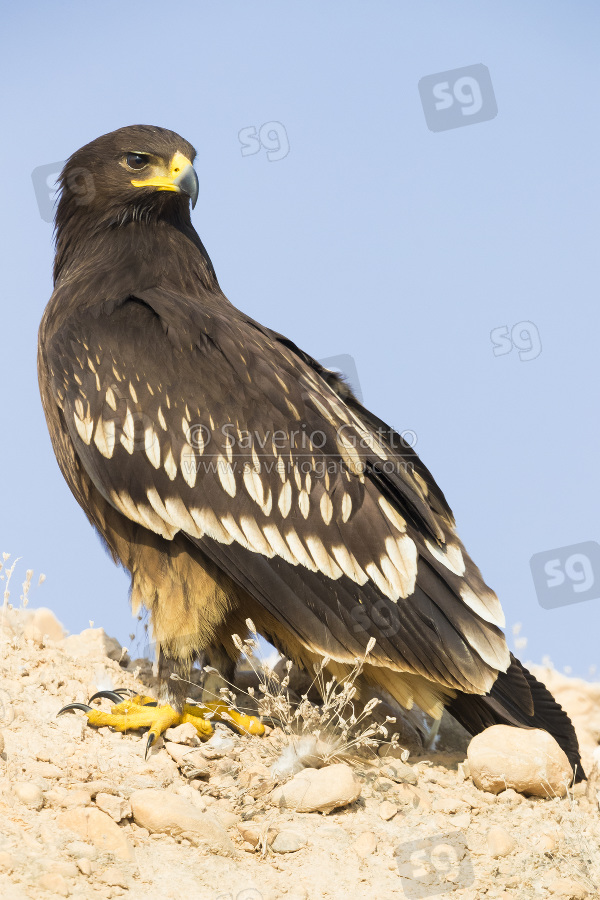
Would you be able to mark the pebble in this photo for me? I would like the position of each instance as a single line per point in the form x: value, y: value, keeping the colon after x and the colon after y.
x: 499, y: 842
x: 114, y: 877
x: 387, y: 810
x: 1, y: 743
x: 183, y: 734
x: 449, y: 805
x: 288, y: 841
x: 29, y: 794
x: 400, y: 772
x: 81, y: 850
x: 318, y: 790
x: 528, y: 760
x: 164, y: 812
x: 546, y: 843
x: 84, y: 866
x: 94, y: 826
x: 53, y: 883
x: 6, y: 862
x: 365, y: 844
x: 568, y: 889
x: 510, y: 796
x: 187, y: 759
x: 116, y: 807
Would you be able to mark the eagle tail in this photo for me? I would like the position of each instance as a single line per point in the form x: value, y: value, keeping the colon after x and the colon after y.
x: 519, y: 699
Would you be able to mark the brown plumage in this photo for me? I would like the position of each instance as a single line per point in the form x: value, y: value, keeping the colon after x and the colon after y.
x: 235, y: 477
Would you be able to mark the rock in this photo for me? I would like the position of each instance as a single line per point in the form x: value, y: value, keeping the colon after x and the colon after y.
x: 84, y: 866
x: 463, y: 771
x: 93, y: 642
x: 387, y: 810
x: 94, y: 826
x: 510, y: 796
x: 166, y: 813
x: 116, y: 807
x: 81, y: 850
x: 449, y: 805
x: 29, y: 794
x: 399, y: 772
x: 188, y: 759
x: 527, y: 760
x: 365, y: 844
x: 288, y: 841
x: 499, y: 842
x: 43, y: 624
x: 53, y: 883
x: 546, y: 843
x: 113, y: 876
x: 567, y: 889
x: 68, y: 799
x: 1, y: 743
x: 318, y: 790
x: 183, y: 734
x: 251, y: 832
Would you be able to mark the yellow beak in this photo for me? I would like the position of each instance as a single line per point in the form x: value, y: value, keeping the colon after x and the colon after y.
x: 180, y: 177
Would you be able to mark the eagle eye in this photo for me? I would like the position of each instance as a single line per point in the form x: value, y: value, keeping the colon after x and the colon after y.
x: 137, y: 160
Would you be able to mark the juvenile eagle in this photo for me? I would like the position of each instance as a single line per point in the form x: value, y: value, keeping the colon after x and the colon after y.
x: 235, y: 477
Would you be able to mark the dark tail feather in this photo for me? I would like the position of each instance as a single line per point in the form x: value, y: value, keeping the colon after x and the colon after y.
x: 517, y: 698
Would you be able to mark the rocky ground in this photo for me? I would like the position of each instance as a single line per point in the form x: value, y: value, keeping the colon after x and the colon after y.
x: 82, y: 814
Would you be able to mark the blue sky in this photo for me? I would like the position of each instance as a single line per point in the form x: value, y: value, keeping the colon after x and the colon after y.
x: 374, y: 236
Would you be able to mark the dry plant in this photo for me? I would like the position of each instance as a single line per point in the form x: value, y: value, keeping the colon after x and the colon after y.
x: 313, y: 735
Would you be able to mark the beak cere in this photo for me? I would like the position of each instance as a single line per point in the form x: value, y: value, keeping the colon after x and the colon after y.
x: 187, y: 183
x: 180, y: 177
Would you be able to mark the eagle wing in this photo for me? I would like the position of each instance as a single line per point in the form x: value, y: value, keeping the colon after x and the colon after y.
x: 194, y: 419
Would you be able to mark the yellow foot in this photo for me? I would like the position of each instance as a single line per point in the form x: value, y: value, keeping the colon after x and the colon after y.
x: 143, y: 712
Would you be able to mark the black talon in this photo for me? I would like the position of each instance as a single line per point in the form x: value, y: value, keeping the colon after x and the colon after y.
x: 151, y: 738
x: 113, y: 696
x: 83, y: 706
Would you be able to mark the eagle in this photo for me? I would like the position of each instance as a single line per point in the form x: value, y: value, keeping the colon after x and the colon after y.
x: 235, y: 478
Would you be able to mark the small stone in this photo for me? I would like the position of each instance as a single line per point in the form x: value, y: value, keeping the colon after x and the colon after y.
x: 69, y: 799
x: 387, y: 810
x: 546, y: 843
x: 64, y: 867
x: 81, y: 850
x: 29, y: 794
x: 114, y: 877
x: 288, y: 842
x: 166, y: 813
x: 188, y: 759
x: 463, y: 770
x: 365, y: 844
x: 510, y: 796
x: 527, y: 760
x: 116, y: 807
x: 462, y: 820
x: 499, y: 842
x: 399, y: 772
x: 54, y: 883
x: 449, y: 805
x: 568, y: 889
x: 1, y: 743
x: 94, y: 826
x: 183, y: 734
x: 6, y: 862
x: 84, y: 866
x: 318, y: 790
